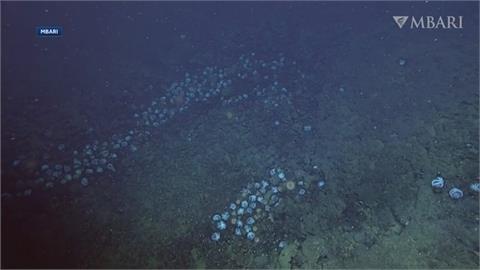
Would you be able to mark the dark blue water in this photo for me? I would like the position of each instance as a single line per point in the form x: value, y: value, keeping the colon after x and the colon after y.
x: 313, y: 129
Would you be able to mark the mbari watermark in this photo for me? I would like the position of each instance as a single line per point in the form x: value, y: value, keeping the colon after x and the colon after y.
x: 429, y: 22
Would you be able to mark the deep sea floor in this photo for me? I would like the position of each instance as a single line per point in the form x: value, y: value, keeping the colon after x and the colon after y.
x: 377, y: 130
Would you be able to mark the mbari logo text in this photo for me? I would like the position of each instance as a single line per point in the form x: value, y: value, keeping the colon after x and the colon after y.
x: 430, y: 22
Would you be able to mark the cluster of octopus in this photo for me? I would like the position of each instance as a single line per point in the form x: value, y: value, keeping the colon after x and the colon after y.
x: 439, y: 184
x: 225, y: 85
x: 255, y: 203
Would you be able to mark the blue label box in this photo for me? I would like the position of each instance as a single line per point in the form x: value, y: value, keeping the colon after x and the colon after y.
x: 49, y: 31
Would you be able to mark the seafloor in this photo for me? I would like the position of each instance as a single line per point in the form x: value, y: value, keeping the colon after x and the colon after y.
x: 376, y: 130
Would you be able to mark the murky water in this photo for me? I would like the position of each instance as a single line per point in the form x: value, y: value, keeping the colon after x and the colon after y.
x: 240, y: 135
